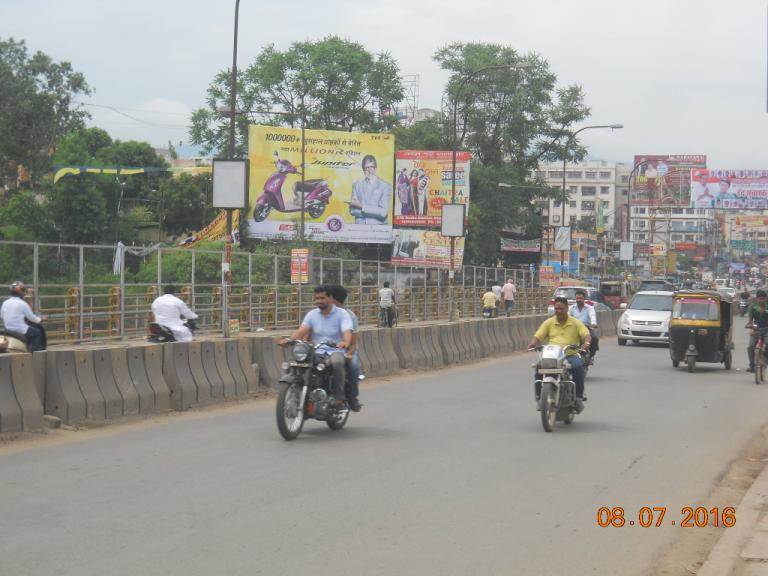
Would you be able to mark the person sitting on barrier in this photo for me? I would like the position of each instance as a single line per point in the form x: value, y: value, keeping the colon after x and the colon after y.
x: 387, y: 303
x: 489, y: 303
x: 325, y: 323
x: 170, y: 312
x: 586, y: 313
x: 339, y: 294
x: 17, y: 316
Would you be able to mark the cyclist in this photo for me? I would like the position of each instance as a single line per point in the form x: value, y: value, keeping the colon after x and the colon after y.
x: 758, y: 320
x: 387, y: 304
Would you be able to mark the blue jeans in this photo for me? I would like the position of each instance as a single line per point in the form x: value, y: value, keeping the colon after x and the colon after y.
x: 34, y: 339
x: 353, y: 373
x: 577, y: 370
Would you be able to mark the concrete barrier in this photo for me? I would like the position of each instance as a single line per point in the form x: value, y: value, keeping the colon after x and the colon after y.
x: 95, y: 408
x: 248, y: 366
x: 123, y: 381
x: 235, y: 366
x: 432, y: 338
x: 20, y: 406
x: 153, y: 358
x: 401, y: 337
x: 484, y: 337
x: 178, y: 375
x: 370, y: 357
x: 387, y: 347
x: 265, y: 353
x: 461, y: 343
x: 105, y: 380
x: 222, y: 367
x: 137, y: 369
x: 211, y: 372
x: 63, y: 398
x: 445, y: 341
x: 202, y: 385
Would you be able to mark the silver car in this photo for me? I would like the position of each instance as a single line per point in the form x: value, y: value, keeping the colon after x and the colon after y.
x: 646, y: 318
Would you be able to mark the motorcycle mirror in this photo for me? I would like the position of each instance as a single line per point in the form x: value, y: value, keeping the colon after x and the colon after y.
x: 361, y: 377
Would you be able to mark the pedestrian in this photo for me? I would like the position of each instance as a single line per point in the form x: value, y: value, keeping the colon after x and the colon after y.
x: 496, y: 289
x: 509, y: 291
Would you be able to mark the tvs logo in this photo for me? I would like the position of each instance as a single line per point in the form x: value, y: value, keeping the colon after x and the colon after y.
x: 334, y: 224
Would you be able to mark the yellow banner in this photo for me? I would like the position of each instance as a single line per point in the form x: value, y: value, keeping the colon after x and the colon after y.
x: 347, y: 184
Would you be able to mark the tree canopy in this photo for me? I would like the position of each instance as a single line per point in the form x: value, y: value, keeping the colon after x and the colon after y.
x: 335, y: 84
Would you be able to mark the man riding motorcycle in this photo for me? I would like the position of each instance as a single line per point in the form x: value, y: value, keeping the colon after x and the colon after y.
x: 169, y: 310
x: 586, y: 313
x: 758, y: 320
x: 565, y: 330
x: 353, y: 356
x: 19, y: 318
x: 326, y: 323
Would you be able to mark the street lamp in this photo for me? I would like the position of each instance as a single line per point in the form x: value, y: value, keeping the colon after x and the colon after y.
x: 462, y: 84
x: 571, y: 138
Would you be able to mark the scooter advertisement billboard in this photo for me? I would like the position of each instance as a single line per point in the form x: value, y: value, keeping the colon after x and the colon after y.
x: 423, y: 183
x: 347, y: 186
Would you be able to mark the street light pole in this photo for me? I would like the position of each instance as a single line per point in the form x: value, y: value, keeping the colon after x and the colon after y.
x: 571, y: 138
x: 462, y: 84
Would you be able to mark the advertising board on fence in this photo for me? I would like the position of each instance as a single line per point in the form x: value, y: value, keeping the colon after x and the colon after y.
x: 729, y: 189
x: 423, y: 184
x: 347, y: 188
x: 425, y: 248
x: 299, y: 265
x: 546, y: 276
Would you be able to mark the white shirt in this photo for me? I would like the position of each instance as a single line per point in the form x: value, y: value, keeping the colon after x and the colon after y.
x: 587, y: 314
x: 14, y: 311
x: 496, y: 289
x: 168, y: 310
x: 386, y: 297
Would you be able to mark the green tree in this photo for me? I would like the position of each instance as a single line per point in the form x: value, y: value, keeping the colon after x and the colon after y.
x: 38, y: 105
x: 25, y: 218
x: 185, y: 203
x: 424, y: 135
x: 336, y: 84
x: 509, y: 118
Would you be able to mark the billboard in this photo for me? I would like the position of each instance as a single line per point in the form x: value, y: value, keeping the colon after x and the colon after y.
x: 423, y: 184
x: 347, y: 184
x: 546, y: 276
x: 522, y: 246
x: 730, y: 190
x: 425, y: 248
x: 660, y: 175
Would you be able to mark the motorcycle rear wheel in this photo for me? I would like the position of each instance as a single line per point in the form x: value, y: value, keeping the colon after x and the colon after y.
x: 316, y: 210
x: 548, y: 408
x: 290, y: 416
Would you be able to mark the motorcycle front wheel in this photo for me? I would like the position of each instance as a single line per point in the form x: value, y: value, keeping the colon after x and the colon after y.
x: 290, y: 415
x: 548, y: 408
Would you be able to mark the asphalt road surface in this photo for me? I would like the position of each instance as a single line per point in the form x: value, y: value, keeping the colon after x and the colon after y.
x: 442, y: 473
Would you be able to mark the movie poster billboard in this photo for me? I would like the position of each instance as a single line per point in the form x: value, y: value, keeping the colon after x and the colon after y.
x: 425, y: 248
x: 347, y: 185
x: 729, y: 189
x: 423, y: 184
x: 665, y: 175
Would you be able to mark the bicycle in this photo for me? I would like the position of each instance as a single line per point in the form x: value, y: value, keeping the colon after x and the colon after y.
x: 388, y: 320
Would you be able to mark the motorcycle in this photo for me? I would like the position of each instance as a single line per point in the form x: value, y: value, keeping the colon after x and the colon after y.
x: 557, y: 397
x: 16, y: 343
x: 305, y: 390
x: 743, y: 307
x: 317, y: 194
x: 159, y: 334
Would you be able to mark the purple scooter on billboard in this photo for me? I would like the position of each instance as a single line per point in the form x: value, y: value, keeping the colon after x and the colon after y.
x: 316, y: 192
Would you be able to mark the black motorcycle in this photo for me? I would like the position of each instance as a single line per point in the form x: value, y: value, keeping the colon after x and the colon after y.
x: 743, y: 307
x: 305, y: 390
x: 159, y: 334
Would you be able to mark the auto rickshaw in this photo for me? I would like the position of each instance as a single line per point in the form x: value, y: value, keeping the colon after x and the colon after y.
x: 701, y: 328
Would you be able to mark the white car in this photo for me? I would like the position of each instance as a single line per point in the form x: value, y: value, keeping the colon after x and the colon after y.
x: 727, y: 290
x: 646, y: 318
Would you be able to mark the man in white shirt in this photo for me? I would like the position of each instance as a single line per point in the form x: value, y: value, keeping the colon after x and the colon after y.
x: 509, y: 290
x: 496, y: 289
x: 371, y: 196
x: 169, y: 310
x: 15, y: 313
x: 386, y: 302
x: 586, y: 313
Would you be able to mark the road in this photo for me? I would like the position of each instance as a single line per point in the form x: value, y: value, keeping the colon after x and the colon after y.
x: 446, y: 473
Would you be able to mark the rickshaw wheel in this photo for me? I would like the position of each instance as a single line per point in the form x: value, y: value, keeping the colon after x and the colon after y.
x: 728, y: 360
x: 691, y: 361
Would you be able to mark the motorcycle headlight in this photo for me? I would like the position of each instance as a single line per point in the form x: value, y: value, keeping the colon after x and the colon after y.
x: 300, y: 352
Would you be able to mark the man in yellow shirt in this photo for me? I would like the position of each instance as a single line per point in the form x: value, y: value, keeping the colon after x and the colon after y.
x: 489, y: 302
x: 565, y: 330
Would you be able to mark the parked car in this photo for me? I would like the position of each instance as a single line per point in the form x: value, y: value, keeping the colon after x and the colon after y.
x: 646, y: 318
x: 593, y: 297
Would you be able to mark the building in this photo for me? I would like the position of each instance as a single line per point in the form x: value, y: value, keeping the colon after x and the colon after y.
x: 586, y: 182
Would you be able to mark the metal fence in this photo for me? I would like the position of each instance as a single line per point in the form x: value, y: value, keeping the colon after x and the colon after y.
x: 91, y: 292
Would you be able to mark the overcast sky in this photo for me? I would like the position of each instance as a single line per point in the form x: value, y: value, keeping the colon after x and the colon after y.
x: 683, y: 76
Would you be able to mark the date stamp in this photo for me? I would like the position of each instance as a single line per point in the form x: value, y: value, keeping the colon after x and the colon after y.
x: 656, y: 516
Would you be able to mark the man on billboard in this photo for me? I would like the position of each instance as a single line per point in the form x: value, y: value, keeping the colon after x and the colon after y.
x: 724, y: 192
x: 370, y: 196
x: 700, y: 195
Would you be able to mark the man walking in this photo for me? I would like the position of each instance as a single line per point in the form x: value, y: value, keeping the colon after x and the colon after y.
x: 509, y: 291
